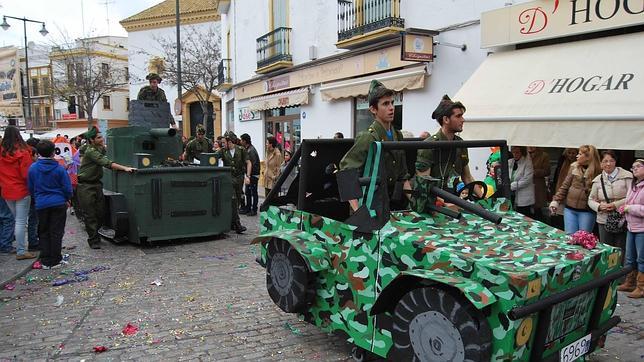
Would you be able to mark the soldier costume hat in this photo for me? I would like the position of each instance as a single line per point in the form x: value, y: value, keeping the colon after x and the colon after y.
x: 153, y: 76
x: 230, y: 135
x: 445, y: 107
x: 376, y: 91
x: 91, y: 133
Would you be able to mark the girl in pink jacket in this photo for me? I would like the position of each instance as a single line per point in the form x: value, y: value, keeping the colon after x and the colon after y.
x: 633, y: 211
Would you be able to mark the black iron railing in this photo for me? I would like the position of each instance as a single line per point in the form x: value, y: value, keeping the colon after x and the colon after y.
x: 358, y: 17
x: 223, y: 72
x: 274, y: 47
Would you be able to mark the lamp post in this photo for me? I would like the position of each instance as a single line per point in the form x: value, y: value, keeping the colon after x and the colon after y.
x: 43, y: 31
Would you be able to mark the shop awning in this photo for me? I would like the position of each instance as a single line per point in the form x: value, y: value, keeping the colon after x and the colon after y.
x: 278, y: 100
x: 71, y: 132
x: 564, y: 95
x: 408, y: 78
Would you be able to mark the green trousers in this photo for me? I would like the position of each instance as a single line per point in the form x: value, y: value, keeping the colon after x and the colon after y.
x: 237, y: 196
x: 92, y: 204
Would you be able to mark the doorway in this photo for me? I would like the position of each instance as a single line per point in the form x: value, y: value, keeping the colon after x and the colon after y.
x: 196, y: 117
x: 284, y: 125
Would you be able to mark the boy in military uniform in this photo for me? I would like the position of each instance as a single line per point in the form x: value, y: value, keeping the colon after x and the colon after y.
x: 448, y: 165
x: 197, y: 146
x: 90, y: 187
x: 152, y: 92
x: 236, y: 157
x: 381, y: 105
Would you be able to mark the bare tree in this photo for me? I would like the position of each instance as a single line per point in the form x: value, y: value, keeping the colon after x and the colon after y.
x: 200, y: 57
x: 85, y: 71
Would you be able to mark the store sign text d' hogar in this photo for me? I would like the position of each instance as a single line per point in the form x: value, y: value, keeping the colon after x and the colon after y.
x: 547, y: 19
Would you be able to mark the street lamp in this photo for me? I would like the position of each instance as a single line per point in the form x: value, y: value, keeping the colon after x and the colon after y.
x: 43, y: 32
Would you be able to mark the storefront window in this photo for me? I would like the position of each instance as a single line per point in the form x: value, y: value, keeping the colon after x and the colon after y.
x: 284, y: 125
x: 363, y: 117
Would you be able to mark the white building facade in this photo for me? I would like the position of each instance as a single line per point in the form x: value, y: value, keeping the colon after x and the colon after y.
x: 323, y: 54
x: 147, y: 31
x: 105, y: 55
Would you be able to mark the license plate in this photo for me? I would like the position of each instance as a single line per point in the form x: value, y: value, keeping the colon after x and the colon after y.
x: 575, y: 350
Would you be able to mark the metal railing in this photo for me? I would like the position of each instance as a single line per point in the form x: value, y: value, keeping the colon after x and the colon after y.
x: 359, y: 17
x: 274, y: 47
x: 223, y: 72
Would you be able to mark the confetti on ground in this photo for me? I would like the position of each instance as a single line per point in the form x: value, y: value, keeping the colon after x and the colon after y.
x: 130, y: 329
x: 100, y: 349
x: 59, y: 301
x: 293, y: 330
x: 10, y: 286
x: 242, y: 266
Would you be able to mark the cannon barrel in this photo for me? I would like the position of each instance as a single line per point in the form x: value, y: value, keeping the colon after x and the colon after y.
x: 473, y: 208
x: 163, y: 132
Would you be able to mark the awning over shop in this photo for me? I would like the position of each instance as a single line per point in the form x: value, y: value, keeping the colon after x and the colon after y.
x: 71, y: 132
x: 564, y: 95
x: 278, y: 100
x: 408, y: 78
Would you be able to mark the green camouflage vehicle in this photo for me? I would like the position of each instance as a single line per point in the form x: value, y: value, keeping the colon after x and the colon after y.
x: 429, y: 284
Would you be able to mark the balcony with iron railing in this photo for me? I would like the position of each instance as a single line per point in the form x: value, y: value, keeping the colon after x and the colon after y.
x: 274, y: 50
x: 362, y: 22
x: 224, y: 81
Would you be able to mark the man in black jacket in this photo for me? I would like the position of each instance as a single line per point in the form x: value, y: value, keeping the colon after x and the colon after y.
x: 251, y: 189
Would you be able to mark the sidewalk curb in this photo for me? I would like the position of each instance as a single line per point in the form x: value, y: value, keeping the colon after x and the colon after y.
x: 18, y: 275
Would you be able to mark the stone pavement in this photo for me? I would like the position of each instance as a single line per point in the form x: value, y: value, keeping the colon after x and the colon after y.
x: 211, y: 304
x: 12, y: 269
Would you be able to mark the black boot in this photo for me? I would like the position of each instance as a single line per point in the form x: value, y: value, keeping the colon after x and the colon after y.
x: 239, y: 228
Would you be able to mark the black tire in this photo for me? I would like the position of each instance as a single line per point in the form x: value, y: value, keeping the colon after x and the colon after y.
x: 431, y: 324
x: 287, y: 277
x: 360, y: 354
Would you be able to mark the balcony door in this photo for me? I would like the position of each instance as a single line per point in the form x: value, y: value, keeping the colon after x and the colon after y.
x: 279, y: 14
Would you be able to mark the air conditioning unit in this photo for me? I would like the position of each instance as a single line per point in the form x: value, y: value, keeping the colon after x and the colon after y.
x: 313, y: 52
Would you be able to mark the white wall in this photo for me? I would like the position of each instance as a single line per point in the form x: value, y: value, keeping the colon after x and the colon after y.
x: 143, y: 45
x: 248, y: 20
x: 324, y: 119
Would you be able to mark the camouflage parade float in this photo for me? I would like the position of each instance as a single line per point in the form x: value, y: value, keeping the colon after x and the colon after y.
x: 476, y: 283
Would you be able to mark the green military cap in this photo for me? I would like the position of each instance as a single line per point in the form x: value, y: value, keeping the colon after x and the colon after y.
x: 230, y: 135
x: 375, y: 90
x: 153, y: 76
x: 444, y: 108
x: 494, y: 157
x: 91, y: 133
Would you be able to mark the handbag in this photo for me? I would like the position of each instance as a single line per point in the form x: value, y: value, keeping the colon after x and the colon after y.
x: 615, y: 222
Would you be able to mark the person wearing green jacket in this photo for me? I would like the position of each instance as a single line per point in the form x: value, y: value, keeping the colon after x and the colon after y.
x: 381, y: 105
x: 90, y: 187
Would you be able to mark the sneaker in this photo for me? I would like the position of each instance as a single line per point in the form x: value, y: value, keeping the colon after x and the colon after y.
x: 45, y: 267
x: 26, y: 255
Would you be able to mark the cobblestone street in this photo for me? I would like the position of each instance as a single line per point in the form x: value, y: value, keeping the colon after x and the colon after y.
x: 211, y: 304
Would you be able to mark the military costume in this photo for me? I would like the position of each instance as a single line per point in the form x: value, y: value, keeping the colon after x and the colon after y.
x: 237, y: 162
x: 148, y: 94
x: 196, y: 147
x: 90, y: 188
x: 395, y: 161
x: 445, y: 164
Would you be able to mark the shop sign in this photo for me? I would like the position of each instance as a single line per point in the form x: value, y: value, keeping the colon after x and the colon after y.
x: 245, y: 114
x: 363, y: 103
x: 417, y: 47
x: 70, y: 116
x: 591, y: 83
x: 547, y: 19
x: 278, y: 83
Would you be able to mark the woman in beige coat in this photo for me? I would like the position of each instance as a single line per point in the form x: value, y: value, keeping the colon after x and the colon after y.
x: 273, y: 162
x: 616, y: 181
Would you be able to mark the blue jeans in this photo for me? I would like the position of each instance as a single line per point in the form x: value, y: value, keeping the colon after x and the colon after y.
x: 20, y: 210
x: 635, y: 250
x: 6, y: 226
x: 32, y: 226
x: 575, y: 220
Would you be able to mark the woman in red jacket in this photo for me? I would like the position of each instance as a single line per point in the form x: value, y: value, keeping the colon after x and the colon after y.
x: 15, y: 159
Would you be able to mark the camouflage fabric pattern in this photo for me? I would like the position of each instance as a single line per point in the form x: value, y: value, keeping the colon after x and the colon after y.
x: 495, y: 267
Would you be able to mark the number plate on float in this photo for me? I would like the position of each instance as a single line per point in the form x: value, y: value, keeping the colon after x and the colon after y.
x: 575, y: 350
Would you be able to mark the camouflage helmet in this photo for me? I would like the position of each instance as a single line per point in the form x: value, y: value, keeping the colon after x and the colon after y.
x: 230, y: 135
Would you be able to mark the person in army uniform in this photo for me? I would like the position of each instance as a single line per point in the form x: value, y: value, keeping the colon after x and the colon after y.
x: 381, y: 105
x: 90, y: 187
x: 448, y: 165
x: 236, y: 157
x: 152, y: 92
x: 198, y: 145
